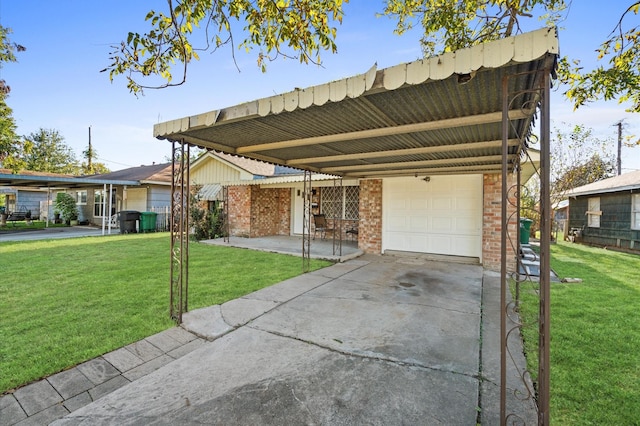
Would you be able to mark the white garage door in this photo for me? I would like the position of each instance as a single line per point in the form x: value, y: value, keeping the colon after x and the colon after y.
x: 441, y: 216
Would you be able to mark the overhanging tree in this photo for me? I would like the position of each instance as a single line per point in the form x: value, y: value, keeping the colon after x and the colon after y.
x: 298, y: 29
x: 305, y: 28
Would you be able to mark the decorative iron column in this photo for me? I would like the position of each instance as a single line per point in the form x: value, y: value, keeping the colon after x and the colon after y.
x: 306, y: 222
x: 511, y: 321
x: 503, y: 252
x: 337, y: 218
x: 545, y: 256
x: 179, y: 226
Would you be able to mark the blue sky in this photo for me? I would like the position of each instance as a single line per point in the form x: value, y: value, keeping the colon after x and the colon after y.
x: 57, y: 84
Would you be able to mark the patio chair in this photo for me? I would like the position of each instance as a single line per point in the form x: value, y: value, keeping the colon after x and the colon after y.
x: 321, y: 225
x: 115, y: 223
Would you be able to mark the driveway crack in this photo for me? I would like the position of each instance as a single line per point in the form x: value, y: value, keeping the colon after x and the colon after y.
x: 389, y: 360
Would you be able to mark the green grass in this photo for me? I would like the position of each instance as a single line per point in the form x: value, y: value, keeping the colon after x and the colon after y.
x: 22, y: 225
x: 66, y: 301
x: 595, y: 336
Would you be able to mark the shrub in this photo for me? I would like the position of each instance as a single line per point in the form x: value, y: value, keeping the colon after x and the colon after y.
x: 66, y: 205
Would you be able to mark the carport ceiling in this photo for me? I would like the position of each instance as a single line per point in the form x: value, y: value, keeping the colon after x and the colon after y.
x: 441, y: 115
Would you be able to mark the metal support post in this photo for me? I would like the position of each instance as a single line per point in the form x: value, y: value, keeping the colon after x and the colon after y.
x: 179, y: 276
x: 306, y: 222
x: 337, y: 217
x: 545, y: 267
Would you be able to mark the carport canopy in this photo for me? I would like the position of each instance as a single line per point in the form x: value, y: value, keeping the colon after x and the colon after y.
x: 441, y: 115
x: 42, y: 180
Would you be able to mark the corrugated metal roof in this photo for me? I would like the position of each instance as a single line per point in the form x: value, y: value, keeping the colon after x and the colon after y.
x: 437, y: 115
x: 624, y: 182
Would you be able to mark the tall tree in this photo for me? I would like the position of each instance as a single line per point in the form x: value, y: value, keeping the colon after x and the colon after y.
x: 48, y: 152
x: 10, y: 144
x: 578, y: 158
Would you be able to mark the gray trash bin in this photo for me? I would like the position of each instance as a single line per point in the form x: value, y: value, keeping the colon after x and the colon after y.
x: 128, y: 219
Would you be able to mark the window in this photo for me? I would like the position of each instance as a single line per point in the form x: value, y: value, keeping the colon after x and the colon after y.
x: 593, y: 212
x: 99, y: 205
x: 340, y: 201
x: 635, y: 211
x: 81, y: 198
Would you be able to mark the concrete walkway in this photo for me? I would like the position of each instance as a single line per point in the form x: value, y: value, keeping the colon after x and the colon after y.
x: 375, y: 340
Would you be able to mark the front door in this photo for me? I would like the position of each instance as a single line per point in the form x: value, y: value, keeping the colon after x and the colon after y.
x: 297, y: 208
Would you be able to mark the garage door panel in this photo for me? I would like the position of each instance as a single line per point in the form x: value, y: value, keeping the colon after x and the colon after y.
x: 418, y: 224
x: 398, y: 224
x: 443, y: 216
x: 442, y: 203
x: 442, y: 224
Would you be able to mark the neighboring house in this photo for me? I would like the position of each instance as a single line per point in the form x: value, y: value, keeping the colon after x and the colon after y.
x: 152, y: 192
x: 144, y: 188
x: 607, y: 212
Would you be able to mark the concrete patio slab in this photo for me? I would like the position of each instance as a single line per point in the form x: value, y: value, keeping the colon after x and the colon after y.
x: 292, y: 245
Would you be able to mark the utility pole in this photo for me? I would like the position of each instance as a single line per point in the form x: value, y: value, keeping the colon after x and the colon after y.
x: 619, y: 124
x: 90, y: 154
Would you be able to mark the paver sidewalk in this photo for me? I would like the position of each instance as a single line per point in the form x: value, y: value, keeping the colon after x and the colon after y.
x: 56, y: 396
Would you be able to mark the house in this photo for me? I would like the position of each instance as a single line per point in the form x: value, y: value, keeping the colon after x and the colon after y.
x: 152, y: 192
x: 422, y: 142
x: 607, y: 212
x: 144, y: 188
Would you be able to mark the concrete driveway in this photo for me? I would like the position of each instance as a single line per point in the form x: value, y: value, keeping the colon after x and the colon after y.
x: 376, y: 340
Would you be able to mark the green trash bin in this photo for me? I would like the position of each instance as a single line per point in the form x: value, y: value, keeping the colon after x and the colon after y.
x: 525, y: 230
x: 148, y: 221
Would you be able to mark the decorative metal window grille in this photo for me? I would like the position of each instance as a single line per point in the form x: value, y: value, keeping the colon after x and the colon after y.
x: 351, y: 200
x: 341, y: 202
x: 332, y: 201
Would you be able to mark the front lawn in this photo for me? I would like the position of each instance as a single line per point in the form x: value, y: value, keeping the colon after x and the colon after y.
x: 66, y: 301
x: 595, y: 336
x: 21, y: 225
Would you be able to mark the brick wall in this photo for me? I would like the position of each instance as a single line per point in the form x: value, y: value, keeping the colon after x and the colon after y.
x: 258, y: 212
x: 240, y: 211
x: 370, y: 212
x: 492, y: 223
x: 270, y: 211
